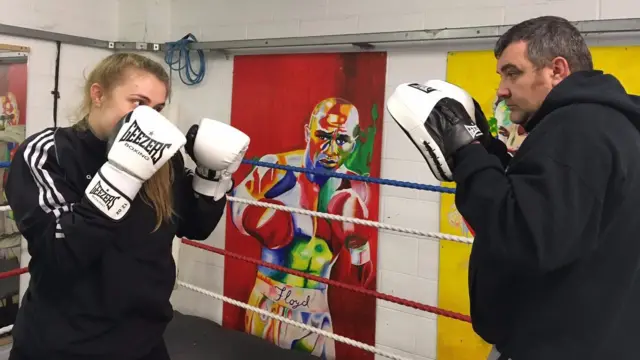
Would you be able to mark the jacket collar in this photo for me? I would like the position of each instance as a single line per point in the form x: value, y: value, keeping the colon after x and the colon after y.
x: 91, y: 141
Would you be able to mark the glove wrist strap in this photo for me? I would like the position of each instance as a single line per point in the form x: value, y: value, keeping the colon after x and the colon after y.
x: 112, y: 190
x: 215, y: 184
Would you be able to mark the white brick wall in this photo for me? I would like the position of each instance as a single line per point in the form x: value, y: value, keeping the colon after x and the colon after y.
x: 408, y: 266
x: 246, y: 19
x: 143, y: 20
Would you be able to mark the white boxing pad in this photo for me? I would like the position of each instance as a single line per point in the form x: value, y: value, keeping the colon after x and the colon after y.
x: 410, y: 106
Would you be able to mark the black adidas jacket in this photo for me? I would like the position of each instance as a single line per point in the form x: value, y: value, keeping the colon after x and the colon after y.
x: 554, y: 272
x: 99, y: 289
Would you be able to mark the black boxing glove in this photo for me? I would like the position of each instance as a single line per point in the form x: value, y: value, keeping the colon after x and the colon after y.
x: 483, y: 125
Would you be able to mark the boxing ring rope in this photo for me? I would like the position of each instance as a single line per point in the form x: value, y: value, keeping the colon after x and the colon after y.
x: 262, y: 312
x: 245, y: 306
x: 379, y: 225
x: 372, y: 293
x: 327, y: 334
x: 375, y: 294
x: 368, y: 179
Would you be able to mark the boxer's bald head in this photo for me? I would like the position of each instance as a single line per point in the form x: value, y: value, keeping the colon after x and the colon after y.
x: 331, y: 133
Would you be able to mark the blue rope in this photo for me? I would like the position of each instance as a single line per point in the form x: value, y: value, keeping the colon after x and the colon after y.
x: 397, y: 183
x: 183, y: 61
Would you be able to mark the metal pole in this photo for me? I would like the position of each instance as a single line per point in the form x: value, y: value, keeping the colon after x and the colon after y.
x: 369, y: 40
x: 53, y: 36
x: 366, y: 41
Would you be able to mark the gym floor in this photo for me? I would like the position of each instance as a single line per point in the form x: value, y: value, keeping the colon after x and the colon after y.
x: 194, y: 338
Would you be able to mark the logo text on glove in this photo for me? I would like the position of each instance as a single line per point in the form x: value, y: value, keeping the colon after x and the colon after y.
x: 153, y: 148
x: 473, y: 130
x: 99, y: 192
x: 424, y: 88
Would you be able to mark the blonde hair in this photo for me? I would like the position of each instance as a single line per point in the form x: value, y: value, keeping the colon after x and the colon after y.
x: 109, y: 73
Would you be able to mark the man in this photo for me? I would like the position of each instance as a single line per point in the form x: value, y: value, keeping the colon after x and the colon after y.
x: 302, y: 242
x: 554, y: 270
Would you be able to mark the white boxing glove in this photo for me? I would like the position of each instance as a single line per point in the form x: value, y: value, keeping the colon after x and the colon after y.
x: 218, y: 150
x: 140, y: 144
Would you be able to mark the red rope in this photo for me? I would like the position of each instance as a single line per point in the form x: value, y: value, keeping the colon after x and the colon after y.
x: 14, y: 272
x: 377, y: 295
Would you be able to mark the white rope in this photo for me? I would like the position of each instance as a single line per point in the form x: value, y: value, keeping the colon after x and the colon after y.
x: 434, y: 235
x: 6, y: 329
x: 379, y: 225
x: 324, y: 333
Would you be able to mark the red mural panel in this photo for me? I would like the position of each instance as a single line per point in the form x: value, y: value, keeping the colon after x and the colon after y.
x: 13, y: 94
x: 315, y: 111
x: 13, y: 106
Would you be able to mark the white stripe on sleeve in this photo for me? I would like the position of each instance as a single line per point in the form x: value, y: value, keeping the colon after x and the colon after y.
x: 50, y: 199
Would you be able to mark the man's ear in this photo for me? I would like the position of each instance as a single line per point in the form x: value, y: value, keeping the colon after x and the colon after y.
x: 559, y: 70
x: 307, y: 133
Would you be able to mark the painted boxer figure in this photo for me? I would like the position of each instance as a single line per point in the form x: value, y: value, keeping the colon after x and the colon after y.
x: 302, y: 242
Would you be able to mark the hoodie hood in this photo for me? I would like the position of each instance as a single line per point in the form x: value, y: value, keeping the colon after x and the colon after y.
x: 589, y: 87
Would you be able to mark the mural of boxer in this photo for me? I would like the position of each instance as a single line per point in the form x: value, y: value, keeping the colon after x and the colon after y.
x: 323, y: 115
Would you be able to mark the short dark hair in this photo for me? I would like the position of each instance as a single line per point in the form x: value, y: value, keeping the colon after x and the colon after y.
x: 548, y: 37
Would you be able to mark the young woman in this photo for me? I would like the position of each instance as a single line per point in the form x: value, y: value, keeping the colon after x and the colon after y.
x: 100, y: 282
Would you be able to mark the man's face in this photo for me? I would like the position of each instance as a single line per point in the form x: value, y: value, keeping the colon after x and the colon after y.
x: 331, y: 133
x: 523, y: 86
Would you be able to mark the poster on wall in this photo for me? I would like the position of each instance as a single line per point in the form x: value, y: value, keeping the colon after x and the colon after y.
x: 13, y: 105
x: 319, y: 112
x: 475, y: 71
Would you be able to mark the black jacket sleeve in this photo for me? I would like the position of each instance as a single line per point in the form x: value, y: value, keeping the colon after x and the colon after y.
x: 64, y: 233
x: 543, y: 212
x: 199, y: 214
x: 498, y: 148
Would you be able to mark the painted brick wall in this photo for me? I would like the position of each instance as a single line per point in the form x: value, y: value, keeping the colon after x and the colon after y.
x: 408, y: 265
x: 240, y: 19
